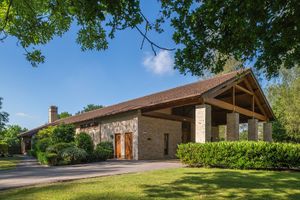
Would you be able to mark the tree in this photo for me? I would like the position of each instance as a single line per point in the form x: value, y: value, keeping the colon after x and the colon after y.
x: 64, y: 115
x: 3, y: 117
x: 207, y: 33
x: 89, y: 107
x: 284, y: 97
x: 11, y: 137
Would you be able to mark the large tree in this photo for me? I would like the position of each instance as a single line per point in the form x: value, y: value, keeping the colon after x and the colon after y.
x: 207, y: 33
x: 284, y: 96
x: 89, y: 107
x: 64, y: 115
x: 3, y: 117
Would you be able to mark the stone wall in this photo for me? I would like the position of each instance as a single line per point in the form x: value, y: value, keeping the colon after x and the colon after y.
x: 126, y: 123
x: 151, y: 137
x: 93, y: 131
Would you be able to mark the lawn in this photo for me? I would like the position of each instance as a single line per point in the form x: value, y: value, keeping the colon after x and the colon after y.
x: 184, y: 183
x: 9, y: 162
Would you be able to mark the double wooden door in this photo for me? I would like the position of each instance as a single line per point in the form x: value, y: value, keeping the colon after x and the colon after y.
x: 128, y: 146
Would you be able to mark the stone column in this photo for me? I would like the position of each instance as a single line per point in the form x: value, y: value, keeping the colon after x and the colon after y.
x: 23, y: 150
x: 232, y: 129
x: 267, y: 131
x: 215, y: 133
x: 253, y: 129
x: 202, y: 123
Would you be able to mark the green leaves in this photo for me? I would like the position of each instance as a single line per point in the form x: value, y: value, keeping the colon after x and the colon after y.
x: 240, y: 155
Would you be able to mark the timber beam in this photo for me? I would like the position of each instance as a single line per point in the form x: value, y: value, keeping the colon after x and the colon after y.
x: 231, y: 107
x: 168, y: 116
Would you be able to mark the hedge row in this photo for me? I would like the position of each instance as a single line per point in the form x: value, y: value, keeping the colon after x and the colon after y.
x: 241, y: 155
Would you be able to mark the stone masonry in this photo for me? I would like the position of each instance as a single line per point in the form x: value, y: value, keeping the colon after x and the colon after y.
x: 203, y: 123
x: 232, y: 129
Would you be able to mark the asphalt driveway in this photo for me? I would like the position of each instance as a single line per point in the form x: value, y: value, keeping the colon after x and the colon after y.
x: 29, y: 172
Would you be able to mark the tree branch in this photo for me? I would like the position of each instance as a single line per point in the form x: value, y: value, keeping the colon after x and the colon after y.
x: 5, y: 21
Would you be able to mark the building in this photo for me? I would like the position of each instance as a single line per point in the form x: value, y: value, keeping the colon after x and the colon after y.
x: 152, y: 126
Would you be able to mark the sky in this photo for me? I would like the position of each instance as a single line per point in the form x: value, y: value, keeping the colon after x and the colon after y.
x: 71, y: 79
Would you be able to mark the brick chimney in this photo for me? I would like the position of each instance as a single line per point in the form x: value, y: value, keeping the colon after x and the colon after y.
x: 53, y: 115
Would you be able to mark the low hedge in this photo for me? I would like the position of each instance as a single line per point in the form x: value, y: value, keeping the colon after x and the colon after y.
x: 241, y: 155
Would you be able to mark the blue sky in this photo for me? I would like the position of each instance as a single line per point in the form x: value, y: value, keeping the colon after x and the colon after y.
x: 72, y: 79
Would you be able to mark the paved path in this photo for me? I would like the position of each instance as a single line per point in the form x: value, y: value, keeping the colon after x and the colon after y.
x: 29, y: 172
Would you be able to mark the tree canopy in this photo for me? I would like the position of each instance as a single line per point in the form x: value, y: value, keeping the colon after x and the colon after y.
x: 285, y: 100
x: 3, y: 116
x: 89, y: 107
x: 64, y: 115
x: 206, y: 33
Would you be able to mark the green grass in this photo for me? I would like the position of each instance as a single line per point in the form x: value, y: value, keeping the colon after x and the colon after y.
x: 184, y: 183
x: 9, y: 162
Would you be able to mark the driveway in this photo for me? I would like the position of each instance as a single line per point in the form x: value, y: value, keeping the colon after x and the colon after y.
x: 29, y: 172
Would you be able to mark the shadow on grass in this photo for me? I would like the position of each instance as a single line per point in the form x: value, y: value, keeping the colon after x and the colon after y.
x: 254, y: 185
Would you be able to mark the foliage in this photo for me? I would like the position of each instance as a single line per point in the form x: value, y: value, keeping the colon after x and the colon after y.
x: 45, y: 133
x: 42, y: 144
x: 52, y: 158
x: 37, y: 22
x: 63, y: 133
x: 207, y: 33
x: 58, y: 147
x: 73, y: 155
x: 42, y: 157
x: 3, y: 148
x: 89, y: 107
x: 3, y: 116
x: 64, y: 115
x: 211, y: 32
x: 285, y: 100
x: 84, y: 141
x: 11, y: 136
x: 103, y: 151
x: 241, y: 155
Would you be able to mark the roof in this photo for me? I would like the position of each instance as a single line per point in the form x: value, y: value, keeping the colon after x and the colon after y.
x: 183, y: 92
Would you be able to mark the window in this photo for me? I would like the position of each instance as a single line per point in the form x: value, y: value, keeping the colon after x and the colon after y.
x: 166, y: 144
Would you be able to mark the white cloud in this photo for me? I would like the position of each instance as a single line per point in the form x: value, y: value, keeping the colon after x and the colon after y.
x: 21, y: 114
x: 162, y: 63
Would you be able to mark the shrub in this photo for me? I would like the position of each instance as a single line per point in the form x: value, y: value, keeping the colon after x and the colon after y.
x: 52, y: 158
x: 73, y: 155
x: 84, y: 141
x: 45, y: 133
x: 103, y: 151
x: 57, y: 148
x: 41, y: 157
x: 63, y: 133
x: 3, y: 148
x: 42, y: 144
x: 241, y: 155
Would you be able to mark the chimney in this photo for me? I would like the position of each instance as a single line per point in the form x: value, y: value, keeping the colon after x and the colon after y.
x: 53, y: 115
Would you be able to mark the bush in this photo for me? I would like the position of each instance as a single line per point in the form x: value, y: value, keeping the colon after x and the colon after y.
x: 41, y: 157
x: 52, y: 158
x: 73, y: 155
x: 103, y: 151
x: 84, y: 141
x: 42, y: 144
x: 241, y: 155
x: 57, y: 148
x: 3, y: 148
x: 63, y: 133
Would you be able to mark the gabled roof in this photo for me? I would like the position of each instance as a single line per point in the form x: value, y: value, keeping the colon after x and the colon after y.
x: 183, y: 92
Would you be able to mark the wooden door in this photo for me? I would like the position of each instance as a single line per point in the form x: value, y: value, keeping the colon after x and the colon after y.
x: 128, y: 146
x: 117, y: 145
